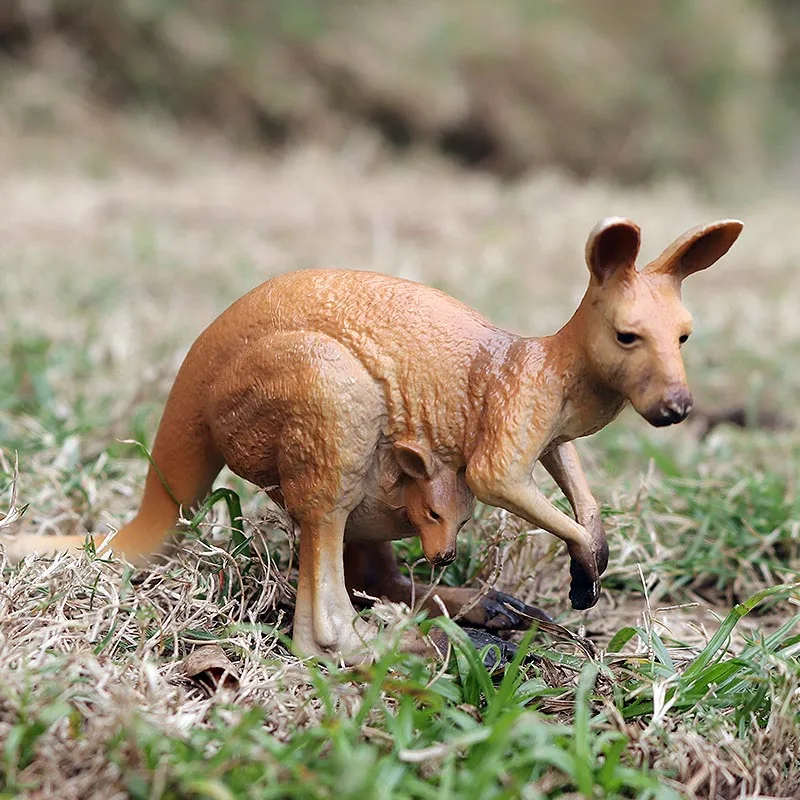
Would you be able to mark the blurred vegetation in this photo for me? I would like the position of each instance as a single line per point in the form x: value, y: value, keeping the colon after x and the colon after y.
x: 624, y: 88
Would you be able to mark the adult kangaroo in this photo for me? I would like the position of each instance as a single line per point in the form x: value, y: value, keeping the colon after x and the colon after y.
x: 301, y: 382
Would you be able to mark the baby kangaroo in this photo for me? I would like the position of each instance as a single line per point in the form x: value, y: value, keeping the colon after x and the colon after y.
x: 305, y: 380
x: 411, y: 492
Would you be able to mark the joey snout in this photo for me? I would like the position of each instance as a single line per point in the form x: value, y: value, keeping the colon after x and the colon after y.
x: 442, y: 558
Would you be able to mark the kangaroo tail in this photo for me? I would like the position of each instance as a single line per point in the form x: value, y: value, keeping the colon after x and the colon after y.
x: 184, y: 464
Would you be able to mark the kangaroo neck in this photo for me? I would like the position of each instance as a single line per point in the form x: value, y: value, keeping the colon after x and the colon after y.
x: 590, y: 403
x: 547, y: 384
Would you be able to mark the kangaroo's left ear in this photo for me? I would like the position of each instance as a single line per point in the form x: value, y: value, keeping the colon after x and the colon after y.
x: 613, y: 244
x: 697, y: 249
x: 416, y: 461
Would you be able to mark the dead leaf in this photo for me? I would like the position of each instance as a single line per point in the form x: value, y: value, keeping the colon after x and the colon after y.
x: 211, y: 669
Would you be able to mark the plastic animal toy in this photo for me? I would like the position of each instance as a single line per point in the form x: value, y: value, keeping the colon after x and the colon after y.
x: 305, y: 380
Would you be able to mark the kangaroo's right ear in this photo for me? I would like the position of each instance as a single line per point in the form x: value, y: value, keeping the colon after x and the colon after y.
x: 414, y: 460
x: 613, y: 243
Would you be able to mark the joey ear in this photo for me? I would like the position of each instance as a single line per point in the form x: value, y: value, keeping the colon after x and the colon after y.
x: 613, y: 243
x: 416, y: 461
x: 697, y: 249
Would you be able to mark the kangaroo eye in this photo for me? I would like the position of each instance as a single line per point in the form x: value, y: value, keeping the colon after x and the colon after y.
x: 433, y: 515
x: 683, y: 338
x: 627, y: 339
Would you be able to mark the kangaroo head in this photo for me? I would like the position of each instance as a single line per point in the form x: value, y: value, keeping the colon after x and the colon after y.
x: 437, y: 500
x: 634, y: 322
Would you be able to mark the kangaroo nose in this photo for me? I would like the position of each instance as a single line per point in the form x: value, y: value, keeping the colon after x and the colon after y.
x: 676, y: 406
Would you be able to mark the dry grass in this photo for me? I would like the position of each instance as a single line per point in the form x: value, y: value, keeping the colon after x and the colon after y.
x: 118, y: 249
x: 106, y: 653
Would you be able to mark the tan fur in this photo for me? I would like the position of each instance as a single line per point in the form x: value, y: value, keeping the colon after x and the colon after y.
x: 305, y: 380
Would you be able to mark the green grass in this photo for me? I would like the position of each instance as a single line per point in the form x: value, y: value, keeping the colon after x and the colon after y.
x: 552, y: 722
x: 464, y: 733
x: 716, y: 519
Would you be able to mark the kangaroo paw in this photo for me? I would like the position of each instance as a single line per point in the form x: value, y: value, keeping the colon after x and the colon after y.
x: 584, y: 590
x: 594, y: 525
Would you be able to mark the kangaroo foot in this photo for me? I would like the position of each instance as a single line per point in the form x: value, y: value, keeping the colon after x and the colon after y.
x: 494, y: 610
x: 372, y: 567
x: 500, y: 655
x: 351, y: 643
x: 498, y: 611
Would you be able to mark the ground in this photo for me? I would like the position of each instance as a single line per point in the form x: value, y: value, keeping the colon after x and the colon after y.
x: 119, y: 249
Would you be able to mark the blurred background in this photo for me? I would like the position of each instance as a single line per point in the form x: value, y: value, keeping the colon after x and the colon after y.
x: 159, y: 158
x: 635, y: 91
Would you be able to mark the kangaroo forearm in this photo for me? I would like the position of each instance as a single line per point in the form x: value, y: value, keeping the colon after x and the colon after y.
x: 524, y: 499
x: 534, y: 507
x: 563, y: 464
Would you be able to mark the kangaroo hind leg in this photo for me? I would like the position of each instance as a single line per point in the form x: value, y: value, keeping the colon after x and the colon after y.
x: 307, y: 419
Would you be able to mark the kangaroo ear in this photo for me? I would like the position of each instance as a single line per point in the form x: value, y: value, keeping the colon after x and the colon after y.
x: 697, y: 249
x: 613, y: 243
x: 414, y: 460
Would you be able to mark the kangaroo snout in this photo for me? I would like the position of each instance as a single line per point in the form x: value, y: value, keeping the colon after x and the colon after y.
x: 443, y: 558
x: 674, y: 408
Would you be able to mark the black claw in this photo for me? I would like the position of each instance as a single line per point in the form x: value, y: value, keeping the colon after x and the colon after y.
x: 584, y: 591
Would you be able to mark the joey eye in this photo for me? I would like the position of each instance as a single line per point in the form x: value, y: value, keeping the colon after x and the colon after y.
x: 433, y: 515
x: 684, y: 338
x: 627, y: 339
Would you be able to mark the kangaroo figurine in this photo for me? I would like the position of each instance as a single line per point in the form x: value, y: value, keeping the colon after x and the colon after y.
x: 301, y: 382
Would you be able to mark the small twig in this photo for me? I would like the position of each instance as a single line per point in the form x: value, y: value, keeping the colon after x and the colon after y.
x: 498, y: 554
x: 446, y: 660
